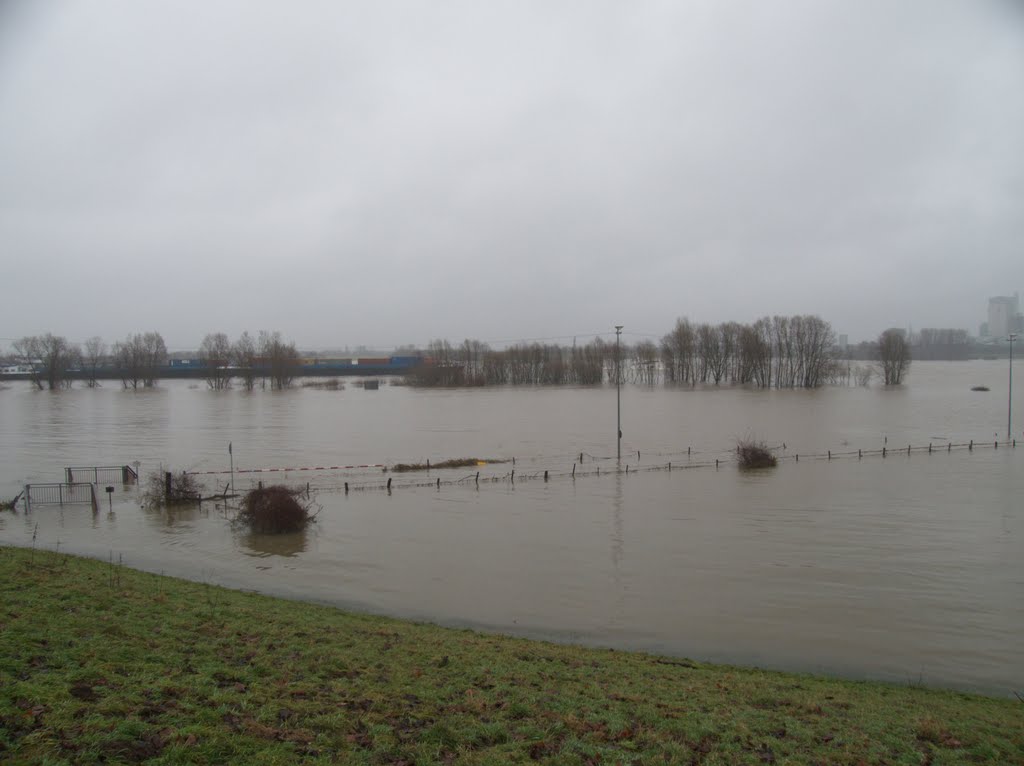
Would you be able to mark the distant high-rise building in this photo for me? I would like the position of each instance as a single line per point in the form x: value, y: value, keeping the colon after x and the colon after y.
x: 1002, y: 314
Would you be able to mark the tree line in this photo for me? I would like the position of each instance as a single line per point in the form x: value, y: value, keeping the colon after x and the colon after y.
x: 141, y: 359
x: 784, y: 352
x: 474, y: 363
x: 52, y: 359
x: 266, y: 358
x: 780, y: 351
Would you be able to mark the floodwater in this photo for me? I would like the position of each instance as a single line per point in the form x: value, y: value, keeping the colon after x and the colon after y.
x: 908, y: 568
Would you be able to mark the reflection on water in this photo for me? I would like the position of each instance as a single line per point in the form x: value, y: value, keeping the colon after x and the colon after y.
x: 290, y: 544
x: 901, y: 568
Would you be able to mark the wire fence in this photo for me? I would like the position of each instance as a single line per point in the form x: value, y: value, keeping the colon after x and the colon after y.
x: 584, y: 465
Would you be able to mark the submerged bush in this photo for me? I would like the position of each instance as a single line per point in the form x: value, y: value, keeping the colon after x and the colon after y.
x: 755, y: 455
x: 275, y: 510
x: 183, y: 489
x: 462, y: 462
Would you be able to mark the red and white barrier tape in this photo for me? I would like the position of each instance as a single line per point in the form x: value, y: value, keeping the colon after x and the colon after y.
x: 296, y: 468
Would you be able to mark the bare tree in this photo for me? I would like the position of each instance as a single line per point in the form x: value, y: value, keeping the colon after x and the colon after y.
x: 139, y: 359
x: 441, y: 368
x: 246, y: 359
x: 645, y: 361
x: 814, y: 343
x: 862, y: 374
x: 710, y: 353
x: 95, y: 350
x: 894, y: 356
x: 679, y: 352
x: 51, y: 358
x: 280, y: 359
x: 215, y: 352
x: 473, y: 353
x: 942, y: 343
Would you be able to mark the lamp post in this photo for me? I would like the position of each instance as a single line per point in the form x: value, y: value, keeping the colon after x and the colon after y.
x: 1009, y: 400
x: 618, y: 394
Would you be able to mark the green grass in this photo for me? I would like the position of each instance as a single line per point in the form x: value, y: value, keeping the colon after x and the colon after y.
x: 99, y: 663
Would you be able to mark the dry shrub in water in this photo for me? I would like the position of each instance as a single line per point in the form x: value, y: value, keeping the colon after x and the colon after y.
x: 462, y: 462
x: 331, y: 384
x: 755, y: 455
x: 184, y: 489
x: 274, y: 510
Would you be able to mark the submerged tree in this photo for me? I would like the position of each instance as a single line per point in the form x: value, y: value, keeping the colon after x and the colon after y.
x: 95, y: 350
x: 215, y: 352
x: 645, y: 362
x: 280, y: 359
x: 139, y: 359
x: 894, y: 356
x: 244, y: 355
x: 51, y: 358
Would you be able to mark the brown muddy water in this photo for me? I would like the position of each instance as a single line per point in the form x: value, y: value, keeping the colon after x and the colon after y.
x: 908, y: 568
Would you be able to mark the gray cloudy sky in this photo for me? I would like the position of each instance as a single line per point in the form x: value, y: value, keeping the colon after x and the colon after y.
x: 389, y: 172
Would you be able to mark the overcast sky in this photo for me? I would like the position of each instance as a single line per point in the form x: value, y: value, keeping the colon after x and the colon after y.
x: 384, y: 173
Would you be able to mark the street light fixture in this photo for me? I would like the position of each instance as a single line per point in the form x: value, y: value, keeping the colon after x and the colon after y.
x: 1009, y: 401
x: 618, y: 393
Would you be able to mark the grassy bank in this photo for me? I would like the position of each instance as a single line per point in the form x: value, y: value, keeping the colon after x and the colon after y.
x: 102, y: 663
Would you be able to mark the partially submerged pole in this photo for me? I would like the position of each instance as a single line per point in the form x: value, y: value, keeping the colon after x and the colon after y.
x: 618, y: 394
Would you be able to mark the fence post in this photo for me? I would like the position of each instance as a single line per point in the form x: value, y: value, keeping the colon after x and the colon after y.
x: 60, y: 493
x: 830, y: 454
x: 970, y: 447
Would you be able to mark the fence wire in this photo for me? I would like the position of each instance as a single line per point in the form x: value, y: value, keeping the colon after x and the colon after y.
x: 586, y: 465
